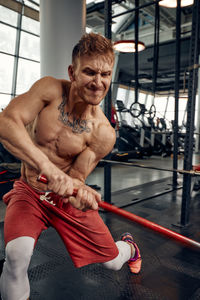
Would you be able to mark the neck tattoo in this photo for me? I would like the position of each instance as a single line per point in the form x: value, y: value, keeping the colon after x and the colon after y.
x: 77, y: 125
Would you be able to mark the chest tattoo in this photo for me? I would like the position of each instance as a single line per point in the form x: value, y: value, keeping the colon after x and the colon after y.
x: 76, y: 124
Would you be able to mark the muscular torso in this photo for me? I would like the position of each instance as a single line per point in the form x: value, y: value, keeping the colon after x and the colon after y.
x: 60, y: 136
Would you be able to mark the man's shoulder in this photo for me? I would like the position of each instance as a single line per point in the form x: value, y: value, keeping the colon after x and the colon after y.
x: 106, y: 131
x: 55, y: 82
x: 52, y: 87
x: 104, y: 124
x: 103, y: 129
x: 103, y: 138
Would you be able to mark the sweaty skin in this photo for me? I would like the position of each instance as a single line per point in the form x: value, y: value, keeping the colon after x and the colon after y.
x: 58, y: 129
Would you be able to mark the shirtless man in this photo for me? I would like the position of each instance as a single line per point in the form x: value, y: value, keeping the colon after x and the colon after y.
x: 58, y: 129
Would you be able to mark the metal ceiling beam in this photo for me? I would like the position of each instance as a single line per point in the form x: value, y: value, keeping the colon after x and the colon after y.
x: 167, y: 19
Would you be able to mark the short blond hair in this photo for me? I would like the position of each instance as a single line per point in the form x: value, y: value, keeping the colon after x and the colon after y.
x: 93, y: 44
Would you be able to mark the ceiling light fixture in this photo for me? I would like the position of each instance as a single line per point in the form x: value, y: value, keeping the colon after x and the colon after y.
x: 128, y: 46
x: 173, y: 3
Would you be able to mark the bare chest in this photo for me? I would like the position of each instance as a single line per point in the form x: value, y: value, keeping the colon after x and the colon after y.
x: 61, y: 136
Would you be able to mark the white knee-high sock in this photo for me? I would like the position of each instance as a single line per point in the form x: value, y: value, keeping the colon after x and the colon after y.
x: 123, y: 256
x: 14, y: 283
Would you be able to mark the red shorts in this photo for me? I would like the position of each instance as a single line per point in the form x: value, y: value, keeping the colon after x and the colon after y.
x: 84, y: 234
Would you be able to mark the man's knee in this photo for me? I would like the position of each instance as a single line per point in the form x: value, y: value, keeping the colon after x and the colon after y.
x: 18, y: 253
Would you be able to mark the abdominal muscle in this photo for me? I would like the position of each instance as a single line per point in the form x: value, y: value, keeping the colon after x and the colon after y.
x: 58, y: 151
x: 30, y: 175
x: 57, y: 140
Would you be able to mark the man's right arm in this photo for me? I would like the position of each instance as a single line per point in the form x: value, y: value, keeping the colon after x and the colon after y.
x: 22, y: 111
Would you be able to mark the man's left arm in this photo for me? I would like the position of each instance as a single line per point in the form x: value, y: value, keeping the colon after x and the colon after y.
x: 101, y: 145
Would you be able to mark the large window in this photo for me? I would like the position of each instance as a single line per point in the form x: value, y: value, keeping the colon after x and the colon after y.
x: 8, y: 16
x: 6, y: 73
x: 19, y: 50
x: 8, y: 37
x: 127, y: 96
x: 164, y: 108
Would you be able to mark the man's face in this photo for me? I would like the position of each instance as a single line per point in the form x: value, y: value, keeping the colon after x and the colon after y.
x: 92, y: 77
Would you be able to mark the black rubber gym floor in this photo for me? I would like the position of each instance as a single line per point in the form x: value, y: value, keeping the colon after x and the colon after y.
x: 170, y: 271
